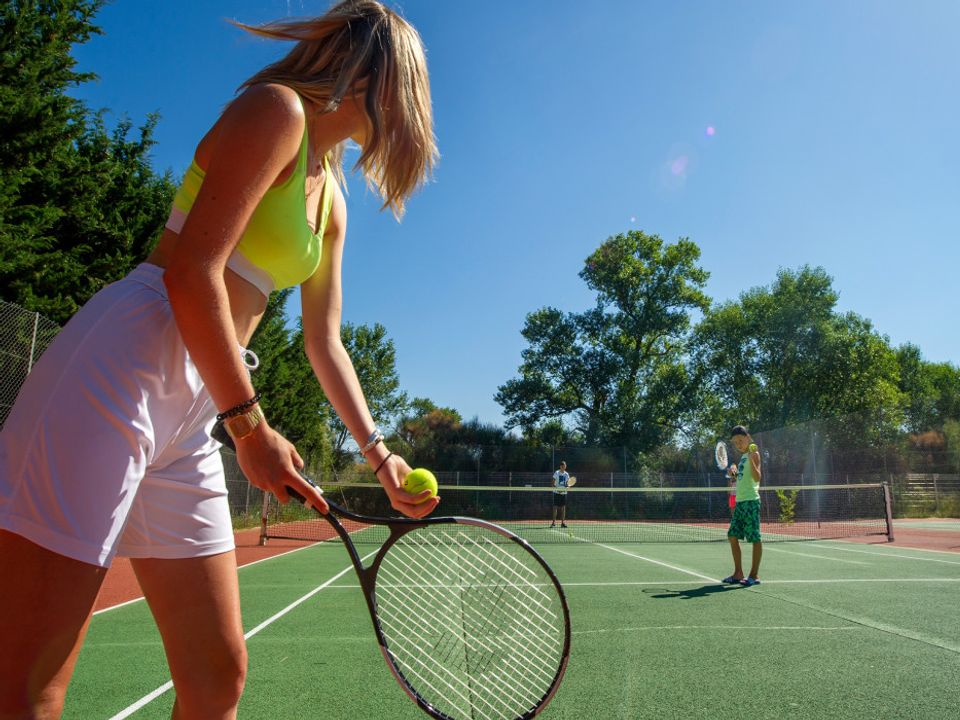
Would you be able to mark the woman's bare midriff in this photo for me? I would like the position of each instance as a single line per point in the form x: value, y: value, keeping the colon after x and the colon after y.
x: 247, y: 304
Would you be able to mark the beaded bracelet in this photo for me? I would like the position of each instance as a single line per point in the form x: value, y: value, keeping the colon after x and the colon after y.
x: 239, y: 409
x: 382, y: 462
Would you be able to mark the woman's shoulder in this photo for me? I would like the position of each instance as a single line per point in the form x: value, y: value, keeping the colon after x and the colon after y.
x: 270, y: 105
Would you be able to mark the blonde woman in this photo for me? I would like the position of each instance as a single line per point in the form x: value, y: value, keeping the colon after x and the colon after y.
x: 108, y: 449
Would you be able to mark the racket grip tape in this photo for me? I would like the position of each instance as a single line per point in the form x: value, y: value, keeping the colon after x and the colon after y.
x: 297, y: 496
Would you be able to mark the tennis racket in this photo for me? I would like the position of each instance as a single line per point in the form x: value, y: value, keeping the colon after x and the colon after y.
x: 571, y: 482
x: 471, y: 621
x: 720, y: 455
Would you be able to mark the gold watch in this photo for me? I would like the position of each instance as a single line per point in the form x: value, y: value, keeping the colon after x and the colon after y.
x: 239, y: 426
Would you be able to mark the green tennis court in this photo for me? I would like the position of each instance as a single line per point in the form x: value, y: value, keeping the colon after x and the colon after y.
x: 837, y: 629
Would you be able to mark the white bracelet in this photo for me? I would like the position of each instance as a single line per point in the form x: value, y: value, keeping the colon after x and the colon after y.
x: 375, y: 437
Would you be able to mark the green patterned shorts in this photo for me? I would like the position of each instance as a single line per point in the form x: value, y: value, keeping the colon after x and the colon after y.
x: 746, y: 521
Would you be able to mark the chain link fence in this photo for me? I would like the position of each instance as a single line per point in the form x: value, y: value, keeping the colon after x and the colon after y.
x: 806, y: 457
x: 24, y: 335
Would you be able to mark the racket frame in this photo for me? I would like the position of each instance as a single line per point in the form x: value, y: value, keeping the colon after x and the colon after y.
x: 721, y: 448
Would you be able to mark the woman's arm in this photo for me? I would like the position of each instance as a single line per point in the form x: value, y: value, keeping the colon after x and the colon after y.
x: 322, y: 300
x: 251, y: 144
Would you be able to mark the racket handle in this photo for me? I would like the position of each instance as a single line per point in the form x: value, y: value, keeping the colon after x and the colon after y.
x: 295, y: 495
x: 220, y: 434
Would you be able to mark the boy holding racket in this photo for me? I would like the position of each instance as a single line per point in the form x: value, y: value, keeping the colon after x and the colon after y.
x: 745, y: 524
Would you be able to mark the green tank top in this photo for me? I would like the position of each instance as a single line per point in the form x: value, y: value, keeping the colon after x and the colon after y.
x: 746, y: 484
x: 278, y: 249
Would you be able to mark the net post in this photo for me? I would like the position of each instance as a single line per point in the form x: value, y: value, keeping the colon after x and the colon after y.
x: 264, y: 512
x: 888, y: 506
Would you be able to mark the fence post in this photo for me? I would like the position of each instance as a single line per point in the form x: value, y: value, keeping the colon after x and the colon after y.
x: 33, y: 342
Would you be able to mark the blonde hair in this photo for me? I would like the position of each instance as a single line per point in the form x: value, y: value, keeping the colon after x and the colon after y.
x: 362, y: 47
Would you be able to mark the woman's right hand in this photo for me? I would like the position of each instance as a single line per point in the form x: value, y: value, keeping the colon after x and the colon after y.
x: 272, y: 463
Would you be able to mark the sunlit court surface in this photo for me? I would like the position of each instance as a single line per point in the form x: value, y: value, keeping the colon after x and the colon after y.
x: 625, y: 278
x: 837, y: 629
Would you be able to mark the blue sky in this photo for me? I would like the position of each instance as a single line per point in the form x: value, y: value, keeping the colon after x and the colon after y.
x: 834, y: 142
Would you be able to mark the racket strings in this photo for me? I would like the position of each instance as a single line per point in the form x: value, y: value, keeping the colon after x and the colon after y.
x: 483, y: 627
x: 522, y: 583
x: 406, y: 652
x: 468, y: 623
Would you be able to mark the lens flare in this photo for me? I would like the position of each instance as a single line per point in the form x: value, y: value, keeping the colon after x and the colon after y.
x: 678, y: 166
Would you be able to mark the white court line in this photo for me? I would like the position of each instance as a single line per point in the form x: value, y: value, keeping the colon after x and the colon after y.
x: 857, y: 619
x: 239, y: 567
x: 901, y: 547
x: 649, y: 560
x: 820, y: 557
x: 828, y: 581
x: 661, y: 583
x: 892, y: 555
x: 866, y: 622
x: 146, y: 699
x: 715, y: 627
x: 118, y: 605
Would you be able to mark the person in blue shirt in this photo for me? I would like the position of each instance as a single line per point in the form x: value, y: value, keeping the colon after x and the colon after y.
x: 560, y: 480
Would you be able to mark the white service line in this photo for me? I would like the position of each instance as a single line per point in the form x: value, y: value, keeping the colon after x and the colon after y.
x: 146, y: 699
x: 886, y: 554
x: 716, y: 627
x: 819, y: 557
x: 649, y: 560
x: 661, y: 583
x: 922, y: 637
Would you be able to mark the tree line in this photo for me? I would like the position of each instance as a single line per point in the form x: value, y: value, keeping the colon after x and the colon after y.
x: 653, y: 368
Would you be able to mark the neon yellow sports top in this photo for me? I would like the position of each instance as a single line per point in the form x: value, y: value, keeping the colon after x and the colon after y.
x: 746, y: 484
x: 278, y: 249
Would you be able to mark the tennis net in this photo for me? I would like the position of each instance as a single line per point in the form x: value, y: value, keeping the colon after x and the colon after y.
x: 612, y: 515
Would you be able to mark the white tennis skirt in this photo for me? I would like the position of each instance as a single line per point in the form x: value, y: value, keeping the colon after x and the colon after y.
x: 108, y: 447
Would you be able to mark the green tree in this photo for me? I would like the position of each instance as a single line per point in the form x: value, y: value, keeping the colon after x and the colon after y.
x: 291, y: 398
x: 782, y: 355
x: 616, y: 370
x: 374, y: 358
x: 425, y: 433
x: 551, y: 433
x: 931, y: 390
x: 79, y: 205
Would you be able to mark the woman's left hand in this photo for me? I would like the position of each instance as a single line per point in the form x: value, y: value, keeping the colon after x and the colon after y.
x: 391, y: 476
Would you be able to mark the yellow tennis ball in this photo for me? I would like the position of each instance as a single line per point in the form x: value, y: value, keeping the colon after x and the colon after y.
x: 419, y: 480
x: 753, y: 447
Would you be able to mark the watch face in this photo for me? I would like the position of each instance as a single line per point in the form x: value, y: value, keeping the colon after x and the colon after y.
x: 242, y: 425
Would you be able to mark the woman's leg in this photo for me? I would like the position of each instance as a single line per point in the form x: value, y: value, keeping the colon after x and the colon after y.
x: 45, y: 607
x: 196, y: 604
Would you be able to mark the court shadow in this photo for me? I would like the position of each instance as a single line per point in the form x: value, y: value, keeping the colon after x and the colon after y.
x: 691, y: 593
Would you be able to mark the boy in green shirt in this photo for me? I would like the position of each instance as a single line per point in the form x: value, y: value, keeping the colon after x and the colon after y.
x: 745, y: 524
